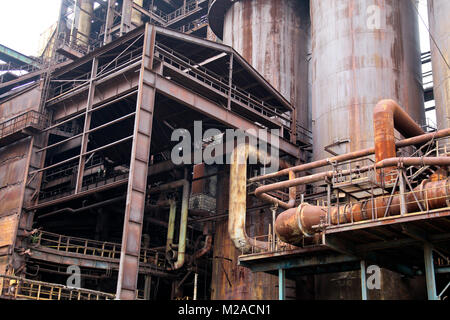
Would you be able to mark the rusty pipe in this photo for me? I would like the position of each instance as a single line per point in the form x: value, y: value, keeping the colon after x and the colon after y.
x: 208, y: 243
x: 171, y: 226
x: 295, y: 224
x: 353, y: 155
x: 181, y: 253
x: 411, y: 161
x: 292, y: 195
x: 388, y: 116
x: 238, y: 197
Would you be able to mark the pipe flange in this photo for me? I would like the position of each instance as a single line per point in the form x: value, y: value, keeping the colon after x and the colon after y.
x: 299, y: 215
x: 345, y: 213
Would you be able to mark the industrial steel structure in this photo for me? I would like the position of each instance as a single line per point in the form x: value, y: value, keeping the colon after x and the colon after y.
x: 89, y: 182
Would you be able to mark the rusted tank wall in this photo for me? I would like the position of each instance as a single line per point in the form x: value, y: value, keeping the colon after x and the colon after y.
x: 272, y: 36
x: 438, y: 16
x: 230, y: 281
x: 362, y: 51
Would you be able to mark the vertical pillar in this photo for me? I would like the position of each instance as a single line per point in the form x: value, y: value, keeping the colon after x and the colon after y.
x: 125, y: 21
x: 109, y: 21
x: 148, y: 287
x: 281, y: 284
x: 87, y: 125
x: 429, y: 271
x: 137, y: 181
x: 195, y: 286
x: 230, y: 80
x: 401, y: 176
x: 363, y: 281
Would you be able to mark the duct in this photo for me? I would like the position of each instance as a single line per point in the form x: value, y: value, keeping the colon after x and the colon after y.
x: 388, y: 116
x: 84, y: 23
x: 296, y: 223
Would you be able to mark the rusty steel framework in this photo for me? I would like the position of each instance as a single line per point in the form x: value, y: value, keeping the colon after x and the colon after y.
x: 98, y: 142
x: 87, y: 177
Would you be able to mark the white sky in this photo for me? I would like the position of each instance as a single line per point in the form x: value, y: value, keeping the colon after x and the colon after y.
x: 23, y: 21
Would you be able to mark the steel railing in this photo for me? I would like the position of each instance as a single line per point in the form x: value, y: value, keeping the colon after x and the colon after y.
x: 93, y: 248
x: 28, y: 119
x: 209, y: 78
x: 26, y: 289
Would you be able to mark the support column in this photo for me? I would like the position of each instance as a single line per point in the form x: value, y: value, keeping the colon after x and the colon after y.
x: 230, y: 80
x: 148, y: 288
x: 137, y: 182
x: 401, y: 176
x: 429, y: 271
x: 363, y: 281
x: 125, y: 21
x: 109, y: 21
x: 281, y: 284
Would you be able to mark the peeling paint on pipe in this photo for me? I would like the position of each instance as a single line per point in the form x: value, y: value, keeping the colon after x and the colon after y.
x: 388, y: 116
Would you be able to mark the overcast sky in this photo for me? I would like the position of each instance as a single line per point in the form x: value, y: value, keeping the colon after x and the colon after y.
x: 23, y: 21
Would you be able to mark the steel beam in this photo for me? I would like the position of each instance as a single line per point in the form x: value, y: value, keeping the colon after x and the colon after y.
x: 109, y: 21
x: 137, y: 182
x: 125, y: 21
x: 300, y: 262
x: 87, y: 125
x: 188, y: 98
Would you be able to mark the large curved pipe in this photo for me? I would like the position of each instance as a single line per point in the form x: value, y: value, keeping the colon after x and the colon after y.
x: 238, y: 198
x: 388, y: 116
x: 297, y: 223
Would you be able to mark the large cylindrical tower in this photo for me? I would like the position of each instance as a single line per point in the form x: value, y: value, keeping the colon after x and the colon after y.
x: 438, y: 15
x: 363, y: 51
x: 273, y: 37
